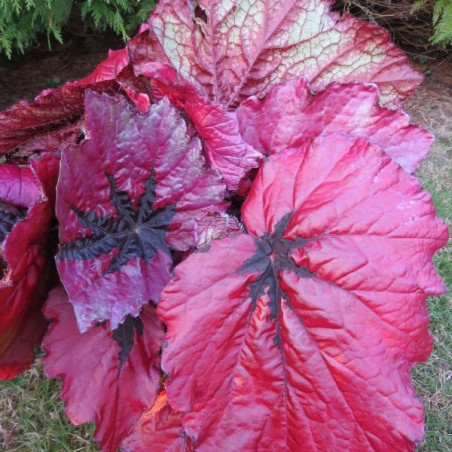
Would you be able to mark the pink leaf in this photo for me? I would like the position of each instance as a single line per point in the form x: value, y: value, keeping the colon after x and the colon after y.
x: 304, y: 330
x: 232, y: 50
x: 108, y: 377
x: 126, y: 197
x: 290, y: 114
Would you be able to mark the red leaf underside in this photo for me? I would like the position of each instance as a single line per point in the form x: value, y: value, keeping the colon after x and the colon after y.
x: 303, y: 331
x: 127, y: 197
x: 108, y: 377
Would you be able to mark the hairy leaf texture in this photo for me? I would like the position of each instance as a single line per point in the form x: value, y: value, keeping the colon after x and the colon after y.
x: 25, y: 215
x: 234, y: 49
x: 303, y: 331
x: 158, y: 429
x: 290, y: 114
x: 108, y: 377
x: 133, y: 192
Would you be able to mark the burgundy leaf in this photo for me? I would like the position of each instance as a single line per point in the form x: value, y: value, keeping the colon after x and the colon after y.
x: 290, y: 114
x: 144, y: 48
x: 233, y: 50
x: 108, y: 377
x: 126, y: 197
x: 25, y: 215
x: 51, y: 110
x: 304, y: 330
x: 158, y: 429
x: 56, y: 108
x: 54, y: 141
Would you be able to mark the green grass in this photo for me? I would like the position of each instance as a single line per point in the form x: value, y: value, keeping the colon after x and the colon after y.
x: 433, y: 379
x: 32, y: 417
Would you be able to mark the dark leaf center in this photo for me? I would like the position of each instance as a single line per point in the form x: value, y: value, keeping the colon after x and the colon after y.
x: 138, y: 232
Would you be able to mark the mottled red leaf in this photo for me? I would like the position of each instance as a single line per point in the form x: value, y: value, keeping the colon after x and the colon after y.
x: 290, y: 114
x: 25, y: 215
x: 158, y: 430
x: 232, y: 50
x: 304, y: 330
x: 108, y: 377
x: 126, y: 197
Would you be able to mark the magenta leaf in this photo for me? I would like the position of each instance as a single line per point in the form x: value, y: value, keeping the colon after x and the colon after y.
x: 108, y: 377
x: 304, y: 330
x: 234, y: 50
x: 127, y: 197
x: 25, y: 216
x: 289, y: 115
x: 158, y: 429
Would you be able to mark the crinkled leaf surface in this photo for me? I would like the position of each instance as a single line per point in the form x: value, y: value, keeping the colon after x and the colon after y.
x: 25, y: 215
x: 303, y: 331
x: 289, y: 114
x: 108, y: 377
x: 218, y: 129
x: 235, y: 49
x: 158, y: 429
x: 126, y: 197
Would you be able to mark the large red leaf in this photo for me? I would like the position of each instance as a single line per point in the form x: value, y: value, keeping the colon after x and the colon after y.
x: 25, y: 215
x: 290, y: 114
x: 304, y: 330
x: 108, y: 377
x: 127, y: 196
x: 232, y: 50
x: 158, y: 430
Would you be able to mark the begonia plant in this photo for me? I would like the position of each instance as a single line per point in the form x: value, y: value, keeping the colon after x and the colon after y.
x: 244, y: 252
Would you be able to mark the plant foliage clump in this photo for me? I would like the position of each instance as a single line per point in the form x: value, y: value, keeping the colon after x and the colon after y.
x: 244, y: 252
x: 21, y: 21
